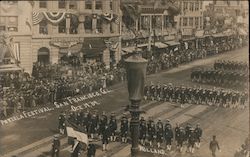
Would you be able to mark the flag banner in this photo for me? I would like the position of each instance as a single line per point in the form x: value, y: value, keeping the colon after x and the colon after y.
x: 37, y: 17
x: 53, y: 17
x: 82, y: 137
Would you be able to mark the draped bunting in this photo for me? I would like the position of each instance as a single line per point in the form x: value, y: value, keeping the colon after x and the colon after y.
x: 53, y: 17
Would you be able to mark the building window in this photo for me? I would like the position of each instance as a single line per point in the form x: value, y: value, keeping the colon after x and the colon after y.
x: 201, y: 21
x: 185, y: 6
x: 72, y: 4
x: 111, y: 5
x: 88, y: 24
x: 73, y: 24
x: 12, y: 23
x: 191, y: 21
x: 196, y: 6
x: 2, y: 28
x: 61, y: 4
x: 191, y: 6
x: 88, y: 4
x: 180, y: 21
x: 111, y: 28
x: 42, y: 4
x: 196, y: 22
x: 62, y: 27
x: 43, y: 27
x: 185, y: 21
x: 99, y: 25
x: 98, y: 4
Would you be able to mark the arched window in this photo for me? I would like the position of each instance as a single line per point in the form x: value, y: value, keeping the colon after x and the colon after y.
x: 88, y: 24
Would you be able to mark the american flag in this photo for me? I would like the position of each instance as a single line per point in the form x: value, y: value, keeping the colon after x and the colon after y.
x: 37, y: 17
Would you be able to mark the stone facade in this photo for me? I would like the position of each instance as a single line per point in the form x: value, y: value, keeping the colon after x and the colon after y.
x: 40, y: 22
x: 190, y: 18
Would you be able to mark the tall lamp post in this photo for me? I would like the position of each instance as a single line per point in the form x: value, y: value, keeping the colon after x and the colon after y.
x: 136, y: 74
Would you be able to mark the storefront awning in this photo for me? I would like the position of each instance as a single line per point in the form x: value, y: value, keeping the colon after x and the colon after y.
x: 160, y: 45
x: 93, y: 47
x: 130, y: 49
x: 172, y: 43
x: 199, y: 34
x: 219, y: 35
x: 142, y: 45
x: 73, y: 49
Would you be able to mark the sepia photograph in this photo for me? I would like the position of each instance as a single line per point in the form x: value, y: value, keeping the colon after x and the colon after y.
x: 124, y: 78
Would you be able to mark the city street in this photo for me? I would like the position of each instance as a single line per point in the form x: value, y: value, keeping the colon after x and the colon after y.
x: 31, y: 137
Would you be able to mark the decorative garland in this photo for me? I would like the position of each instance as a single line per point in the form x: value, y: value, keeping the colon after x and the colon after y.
x: 54, y: 19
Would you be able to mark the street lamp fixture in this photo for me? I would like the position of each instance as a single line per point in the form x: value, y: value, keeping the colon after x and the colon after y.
x: 136, y: 75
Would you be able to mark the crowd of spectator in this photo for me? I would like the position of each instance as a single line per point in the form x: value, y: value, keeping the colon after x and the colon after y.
x: 48, y: 84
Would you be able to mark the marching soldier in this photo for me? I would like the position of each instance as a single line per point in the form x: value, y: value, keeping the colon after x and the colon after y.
x: 91, y: 149
x: 103, y: 123
x: 142, y: 131
x: 214, y: 145
x: 151, y: 132
x: 159, y: 133
x: 191, y: 140
x: 105, y: 137
x: 124, y: 129
x: 180, y: 138
x: 113, y: 127
x: 168, y: 136
x: 61, y: 125
x: 55, y: 147
x: 198, y: 134
x: 93, y: 125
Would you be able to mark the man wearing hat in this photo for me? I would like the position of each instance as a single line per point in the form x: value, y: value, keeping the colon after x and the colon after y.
x: 180, y: 138
x: 198, y: 134
x: 91, y: 149
x: 151, y: 132
x: 61, y: 125
x: 124, y: 128
x: 159, y: 133
x: 142, y: 131
x: 168, y: 136
x: 55, y: 146
x: 113, y: 127
x: 191, y: 141
x: 214, y: 145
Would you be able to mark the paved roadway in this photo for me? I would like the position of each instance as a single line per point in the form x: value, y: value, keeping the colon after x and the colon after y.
x: 32, y: 136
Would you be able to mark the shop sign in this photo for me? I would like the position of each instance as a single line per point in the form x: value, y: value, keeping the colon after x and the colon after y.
x: 65, y: 42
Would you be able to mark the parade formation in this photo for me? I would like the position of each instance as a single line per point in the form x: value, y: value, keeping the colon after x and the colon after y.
x: 119, y: 78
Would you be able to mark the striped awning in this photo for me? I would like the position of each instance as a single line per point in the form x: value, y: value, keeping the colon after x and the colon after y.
x: 172, y: 43
x: 130, y: 49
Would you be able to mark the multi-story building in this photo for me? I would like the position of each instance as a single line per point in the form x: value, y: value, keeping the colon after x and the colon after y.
x: 15, y: 24
x: 151, y: 20
x: 190, y: 18
x: 89, y: 29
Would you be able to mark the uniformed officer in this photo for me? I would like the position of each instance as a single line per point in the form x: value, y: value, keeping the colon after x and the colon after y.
x: 61, y: 125
x: 198, y: 134
x: 93, y: 125
x: 91, y: 149
x: 55, y: 146
x: 103, y: 123
x: 180, y: 137
x: 142, y: 131
x: 168, y: 136
x: 159, y: 133
x: 105, y: 138
x: 191, y: 140
x: 112, y: 127
x: 124, y: 128
x: 151, y: 132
